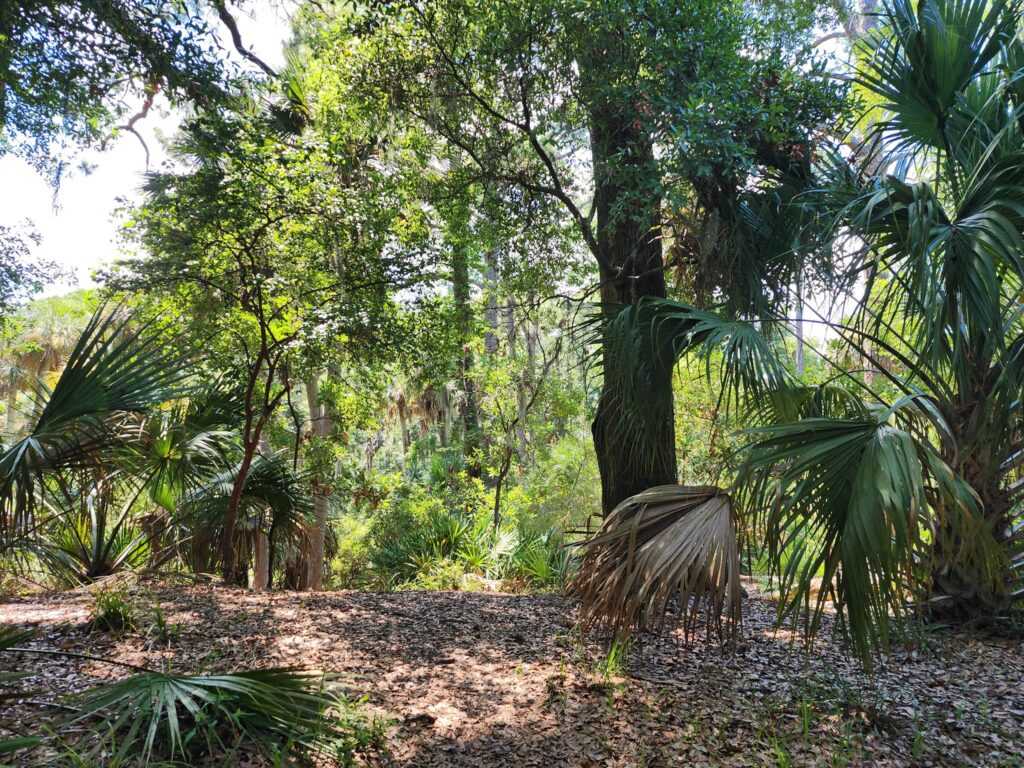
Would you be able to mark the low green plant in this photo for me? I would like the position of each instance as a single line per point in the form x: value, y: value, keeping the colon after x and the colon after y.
x: 156, y: 714
x: 806, y: 707
x: 112, y: 611
x: 291, y: 716
x: 440, y: 575
x: 159, y: 631
x: 614, y: 662
x: 543, y: 560
x: 350, y: 562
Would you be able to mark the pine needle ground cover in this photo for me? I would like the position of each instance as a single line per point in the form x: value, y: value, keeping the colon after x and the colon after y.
x: 472, y: 679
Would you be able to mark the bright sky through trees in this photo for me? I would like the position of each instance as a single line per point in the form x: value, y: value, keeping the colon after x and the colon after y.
x: 77, y: 224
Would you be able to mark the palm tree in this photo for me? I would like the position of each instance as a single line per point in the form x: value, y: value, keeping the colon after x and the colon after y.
x: 117, y: 369
x: 902, y: 488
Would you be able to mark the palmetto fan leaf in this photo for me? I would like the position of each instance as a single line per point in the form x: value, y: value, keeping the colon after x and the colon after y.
x: 270, y: 484
x: 153, y: 711
x: 653, y: 334
x: 116, y: 367
x: 83, y: 546
x: 670, y: 548
x: 925, y: 55
x: 844, y: 501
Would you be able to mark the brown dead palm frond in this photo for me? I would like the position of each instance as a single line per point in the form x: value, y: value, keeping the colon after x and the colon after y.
x: 669, y: 550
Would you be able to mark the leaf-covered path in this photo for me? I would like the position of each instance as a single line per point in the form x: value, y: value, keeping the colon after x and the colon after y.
x: 470, y: 679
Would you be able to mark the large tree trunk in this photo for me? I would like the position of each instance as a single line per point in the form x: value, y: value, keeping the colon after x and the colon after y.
x: 629, y: 243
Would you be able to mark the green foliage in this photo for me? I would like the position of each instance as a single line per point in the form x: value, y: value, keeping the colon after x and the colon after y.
x: 158, y: 631
x: 154, y: 714
x: 906, y: 490
x: 149, y: 717
x: 114, y: 369
x: 419, y: 538
x: 69, y: 65
x: 399, y: 532
x: 113, y: 611
x: 21, y: 277
x: 350, y: 562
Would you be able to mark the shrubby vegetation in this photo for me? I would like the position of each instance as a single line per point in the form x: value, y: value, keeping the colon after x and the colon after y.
x: 615, y: 300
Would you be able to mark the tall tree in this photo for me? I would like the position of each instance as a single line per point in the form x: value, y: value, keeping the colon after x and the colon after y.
x: 221, y: 239
x: 665, y: 100
x: 902, y: 487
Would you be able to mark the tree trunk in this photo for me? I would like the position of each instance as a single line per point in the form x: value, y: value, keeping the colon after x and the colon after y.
x: 321, y: 427
x: 261, y: 564
x: 968, y: 583
x: 523, y: 381
x: 629, y: 244
x: 403, y: 419
x: 464, y: 318
x: 491, y: 315
x: 446, y: 415
x: 228, y: 551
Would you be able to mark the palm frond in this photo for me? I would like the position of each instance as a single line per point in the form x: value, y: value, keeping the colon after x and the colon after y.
x: 115, y: 367
x: 642, y: 340
x: 840, y: 501
x: 271, y: 484
x: 151, y: 712
x: 924, y: 55
x: 668, y: 549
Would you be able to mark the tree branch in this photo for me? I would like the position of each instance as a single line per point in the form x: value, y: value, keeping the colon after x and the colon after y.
x: 236, y: 38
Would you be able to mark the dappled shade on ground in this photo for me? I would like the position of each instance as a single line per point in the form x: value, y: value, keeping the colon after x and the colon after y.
x: 470, y: 679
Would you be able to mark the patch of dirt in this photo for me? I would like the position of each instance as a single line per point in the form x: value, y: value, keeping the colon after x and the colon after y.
x: 470, y: 679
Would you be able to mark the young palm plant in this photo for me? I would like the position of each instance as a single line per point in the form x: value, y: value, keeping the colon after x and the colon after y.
x: 902, y: 487
x: 115, y: 369
x: 152, y: 715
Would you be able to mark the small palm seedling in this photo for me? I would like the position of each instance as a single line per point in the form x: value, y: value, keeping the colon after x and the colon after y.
x: 159, y: 631
x: 112, y: 611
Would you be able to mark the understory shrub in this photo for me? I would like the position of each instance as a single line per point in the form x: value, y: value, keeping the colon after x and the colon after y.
x: 422, y: 540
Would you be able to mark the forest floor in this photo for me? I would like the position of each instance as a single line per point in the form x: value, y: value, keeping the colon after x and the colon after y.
x: 473, y: 679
